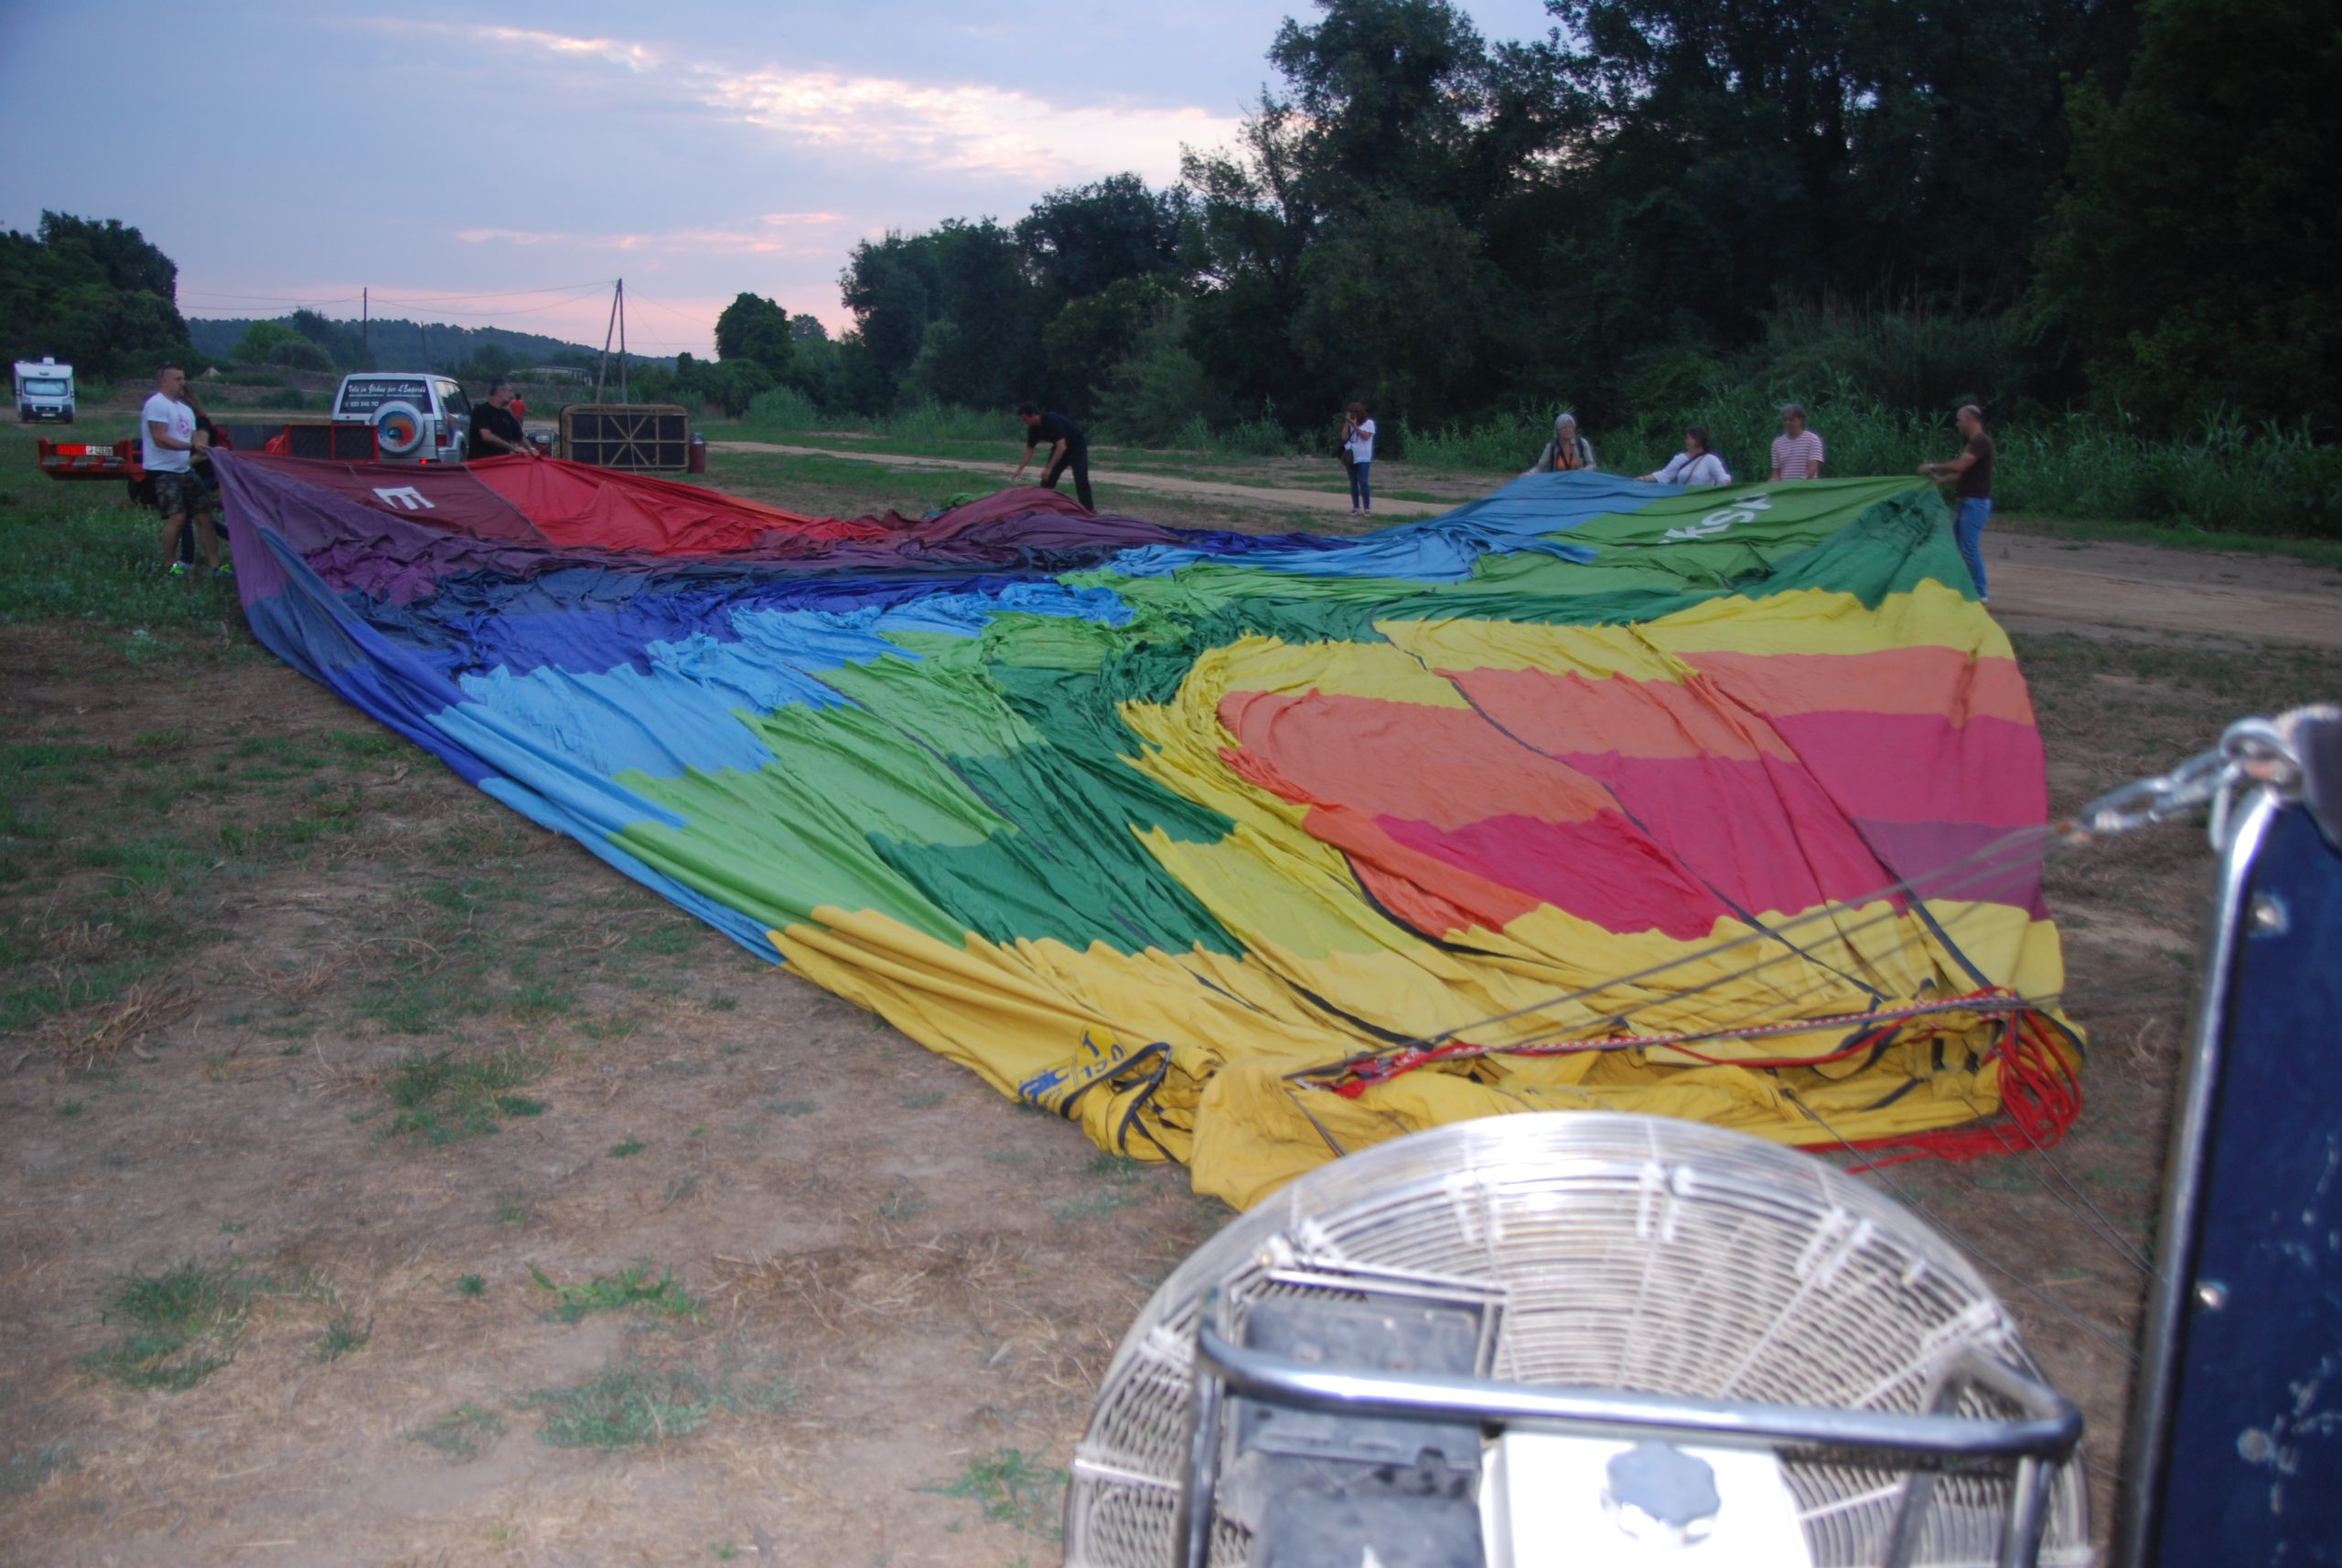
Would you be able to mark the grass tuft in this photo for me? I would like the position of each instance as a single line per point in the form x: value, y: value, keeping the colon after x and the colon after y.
x: 1011, y: 1488
x: 625, y: 1406
x: 441, y: 1099
x: 343, y: 1333
x: 461, y: 1434
x: 182, y: 1324
x: 629, y: 1288
x: 21, y: 1475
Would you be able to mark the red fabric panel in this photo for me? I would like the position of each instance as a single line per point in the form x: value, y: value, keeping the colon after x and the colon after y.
x: 1942, y: 681
x: 1444, y: 765
x: 1605, y: 870
x: 577, y: 506
x: 1920, y: 768
x: 1562, y: 714
x: 547, y: 501
x: 1429, y: 890
x: 1760, y: 831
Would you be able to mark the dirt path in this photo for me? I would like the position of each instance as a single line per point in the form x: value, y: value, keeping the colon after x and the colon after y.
x: 2039, y: 582
x: 2043, y: 584
x: 1165, y: 484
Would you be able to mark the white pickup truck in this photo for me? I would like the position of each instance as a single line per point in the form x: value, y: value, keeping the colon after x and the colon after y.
x: 44, y: 391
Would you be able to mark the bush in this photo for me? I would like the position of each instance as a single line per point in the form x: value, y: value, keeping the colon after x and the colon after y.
x: 948, y: 422
x: 1258, y: 437
x: 784, y: 408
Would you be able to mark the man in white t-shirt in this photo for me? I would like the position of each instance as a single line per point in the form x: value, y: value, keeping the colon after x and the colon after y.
x: 1796, y: 451
x: 168, y: 443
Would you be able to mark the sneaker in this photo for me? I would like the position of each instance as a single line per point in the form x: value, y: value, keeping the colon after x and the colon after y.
x: 225, y: 569
x: 178, y: 569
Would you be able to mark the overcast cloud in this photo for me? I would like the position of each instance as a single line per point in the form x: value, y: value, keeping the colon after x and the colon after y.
x: 287, y: 153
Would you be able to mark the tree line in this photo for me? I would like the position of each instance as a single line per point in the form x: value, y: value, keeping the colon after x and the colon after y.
x: 2124, y: 209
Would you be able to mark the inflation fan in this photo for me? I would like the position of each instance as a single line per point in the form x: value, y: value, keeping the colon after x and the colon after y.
x: 1695, y: 1347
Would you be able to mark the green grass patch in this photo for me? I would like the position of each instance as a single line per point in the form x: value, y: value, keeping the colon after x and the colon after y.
x: 471, y: 1287
x: 21, y: 1475
x: 1012, y: 1487
x: 1094, y: 1205
x: 440, y: 1100
x: 181, y: 1325
x: 627, y: 1290
x: 630, y: 1147
x: 343, y: 1333
x: 790, y: 1107
x: 460, y: 1436
x: 631, y: 1403
x: 625, y: 1406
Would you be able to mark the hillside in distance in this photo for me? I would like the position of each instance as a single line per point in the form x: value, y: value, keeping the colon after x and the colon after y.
x: 400, y: 344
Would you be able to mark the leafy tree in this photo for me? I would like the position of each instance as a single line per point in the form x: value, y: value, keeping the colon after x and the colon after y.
x: 1158, y: 390
x: 94, y: 294
x: 890, y: 284
x: 1096, y: 332
x: 2191, y: 260
x: 1080, y: 241
x: 1860, y: 147
x: 340, y: 342
x: 1396, y: 306
x: 123, y: 255
x: 275, y: 343
x: 1389, y: 92
x: 753, y: 328
x: 948, y: 315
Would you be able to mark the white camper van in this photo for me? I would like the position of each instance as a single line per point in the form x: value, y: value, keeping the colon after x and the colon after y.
x: 44, y: 391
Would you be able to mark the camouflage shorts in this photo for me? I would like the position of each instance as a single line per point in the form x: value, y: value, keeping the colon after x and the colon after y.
x: 181, y: 495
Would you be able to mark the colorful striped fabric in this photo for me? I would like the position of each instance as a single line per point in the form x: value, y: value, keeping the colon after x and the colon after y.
x: 1247, y: 851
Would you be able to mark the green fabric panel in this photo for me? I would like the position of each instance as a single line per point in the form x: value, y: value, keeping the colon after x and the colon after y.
x: 1070, y: 866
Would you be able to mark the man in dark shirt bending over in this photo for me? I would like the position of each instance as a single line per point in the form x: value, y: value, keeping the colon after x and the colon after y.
x: 1971, y: 473
x: 495, y: 431
x: 1069, y: 448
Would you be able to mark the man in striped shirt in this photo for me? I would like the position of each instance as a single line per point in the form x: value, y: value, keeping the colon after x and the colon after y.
x: 1796, y: 451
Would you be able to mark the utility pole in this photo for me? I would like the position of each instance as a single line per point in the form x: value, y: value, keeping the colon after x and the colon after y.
x: 424, y: 333
x: 602, y: 369
x: 622, y: 301
x: 366, y: 328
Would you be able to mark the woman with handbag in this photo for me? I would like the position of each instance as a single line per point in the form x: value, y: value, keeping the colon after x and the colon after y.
x: 1357, y: 457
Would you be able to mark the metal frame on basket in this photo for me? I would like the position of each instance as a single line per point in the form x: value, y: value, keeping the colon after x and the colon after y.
x: 2043, y: 1436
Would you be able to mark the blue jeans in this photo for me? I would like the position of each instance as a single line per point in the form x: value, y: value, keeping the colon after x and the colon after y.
x: 1361, y: 493
x: 1969, y: 529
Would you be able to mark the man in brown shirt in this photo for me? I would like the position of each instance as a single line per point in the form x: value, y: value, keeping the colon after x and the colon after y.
x: 1971, y: 475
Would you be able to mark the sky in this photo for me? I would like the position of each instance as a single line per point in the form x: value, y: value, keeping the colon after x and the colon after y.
x: 486, y: 171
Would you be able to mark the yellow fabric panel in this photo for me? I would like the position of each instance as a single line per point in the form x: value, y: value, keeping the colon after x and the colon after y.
x: 1807, y: 621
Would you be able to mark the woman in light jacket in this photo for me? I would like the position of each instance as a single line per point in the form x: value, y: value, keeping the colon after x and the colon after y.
x: 1697, y: 464
x: 1566, y: 451
x: 1357, y: 448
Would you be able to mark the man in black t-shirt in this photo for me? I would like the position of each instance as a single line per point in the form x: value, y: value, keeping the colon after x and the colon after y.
x: 495, y: 432
x: 1971, y: 473
x: 1069, y: 448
